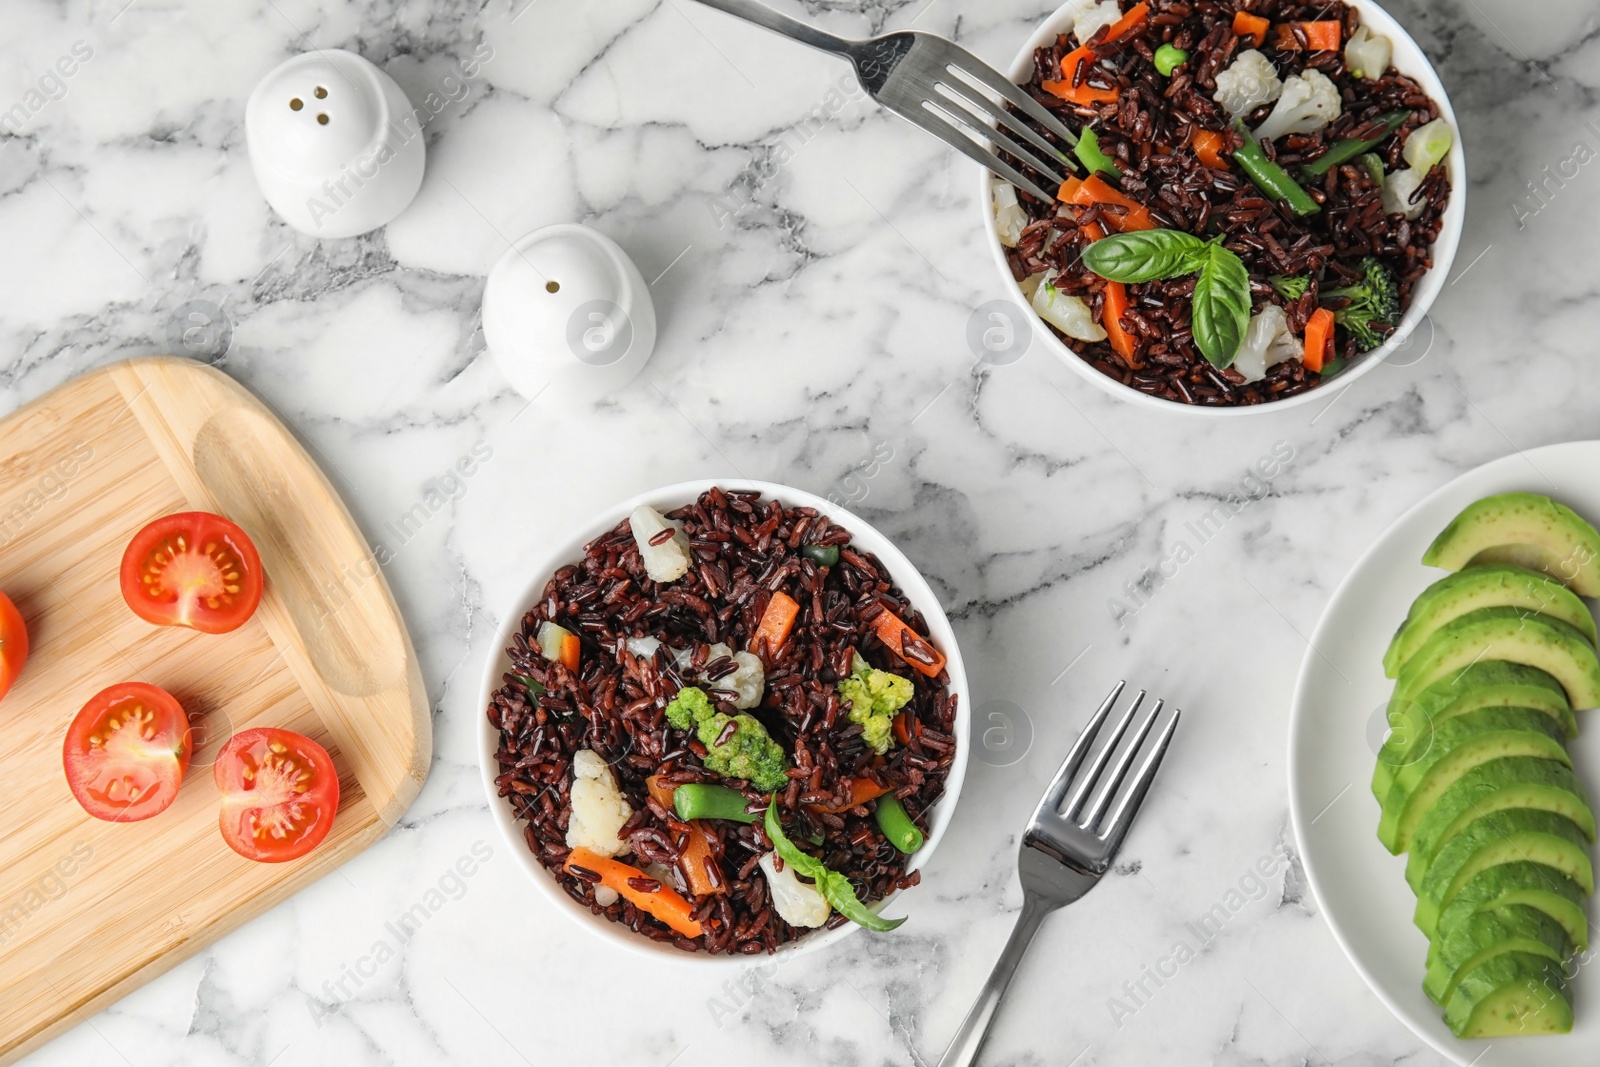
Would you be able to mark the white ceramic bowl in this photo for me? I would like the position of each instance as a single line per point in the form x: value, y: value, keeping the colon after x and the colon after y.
x: 1410, y: 60
x: 571, y: 549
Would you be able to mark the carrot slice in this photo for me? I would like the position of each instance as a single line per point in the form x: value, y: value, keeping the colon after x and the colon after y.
x: 1094, y: 190
x: 902, y: 732
x: 1207, y: 145
x: 1085, y: 93
x: 570, y: 648
x: 1251, y: 26
x: 861, y: 791
x: 1321, y: 36
x: 776, y: 622
x: 1121, y: 340
x: 696, y: 850
x: 665, y: 904
x: 906, y: 643
x: 1319, y: 331
x: 1128, y: 23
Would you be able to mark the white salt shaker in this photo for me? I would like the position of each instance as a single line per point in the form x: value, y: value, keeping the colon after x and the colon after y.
x: 333, y: 143
x: 567, y: 314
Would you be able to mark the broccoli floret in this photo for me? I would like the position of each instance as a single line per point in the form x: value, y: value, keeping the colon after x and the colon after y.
x: 749, y: 753
x: 1290, y: 287
x: 875, y: 696
x: 1374, y: 303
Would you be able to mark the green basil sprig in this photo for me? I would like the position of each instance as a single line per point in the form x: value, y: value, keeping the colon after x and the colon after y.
x: 834, y: 887
x: 1221, y: 293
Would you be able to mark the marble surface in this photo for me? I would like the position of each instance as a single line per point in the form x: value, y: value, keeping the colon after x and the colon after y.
x: 814, y: 285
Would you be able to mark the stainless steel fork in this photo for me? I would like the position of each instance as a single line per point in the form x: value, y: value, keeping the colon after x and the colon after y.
x: 943, y: 88
x: 1071, y: 841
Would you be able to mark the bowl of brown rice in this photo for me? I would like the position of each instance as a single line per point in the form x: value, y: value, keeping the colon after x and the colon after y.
x: 1280, y: 219
x: 697, y: 667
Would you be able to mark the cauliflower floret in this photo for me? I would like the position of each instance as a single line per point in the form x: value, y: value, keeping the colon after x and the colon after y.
x: 598, y: 807
x: 1309, y: 102
x: 749, y: 681
x: 1398, y: 189
x: 1368, y: 54
x: 1065, y: 312
x: 1267, y: 343
x: 797, y: 904
x: 666, y: 562
x: 1250, y: 81
x: 1089, y: 21
x: 1009, y: 218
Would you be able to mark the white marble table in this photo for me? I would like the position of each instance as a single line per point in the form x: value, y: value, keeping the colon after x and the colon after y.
x: 813, y: 302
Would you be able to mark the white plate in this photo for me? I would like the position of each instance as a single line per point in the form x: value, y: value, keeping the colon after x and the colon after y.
x: 1336, y: 724
x: 570, y: 549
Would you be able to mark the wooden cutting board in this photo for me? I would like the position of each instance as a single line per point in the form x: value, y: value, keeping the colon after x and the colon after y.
x: 91, y: 910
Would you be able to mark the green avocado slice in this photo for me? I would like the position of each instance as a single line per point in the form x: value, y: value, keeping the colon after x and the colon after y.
x: 1499, y: 785
x: 1515, y: 928
x: 1510, y: 995
x: 1484, y: 585
x: 1487, y: 684
x: 1493, y: 840
x: 1454, y: 748
x: 1511, y: 635
x: 1524, y: 529
x: 1521, y: 882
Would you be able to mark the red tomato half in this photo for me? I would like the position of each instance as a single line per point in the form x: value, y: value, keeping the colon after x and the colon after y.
x: 126, y: 752
x: 13, y: 643
x: 279, y: 794
x: 192, y: 569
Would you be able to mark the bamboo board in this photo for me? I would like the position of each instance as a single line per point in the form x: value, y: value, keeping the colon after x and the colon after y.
x: 91, y: 910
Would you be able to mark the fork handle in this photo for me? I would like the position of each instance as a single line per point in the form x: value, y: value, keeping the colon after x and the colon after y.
x: 964, y: 1047
x: 777, y: 22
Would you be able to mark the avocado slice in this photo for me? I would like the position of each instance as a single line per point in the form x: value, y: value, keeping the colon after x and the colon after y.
x: 1505, y: 837
x: 1514, y: 928
x: 1521, y: 882
x: 1527, y: 530
x: 1511, y: 635
x: 1487, y: 684
x: 1455, y: 747
x: 1511, y: 995
x: 1484, y: 585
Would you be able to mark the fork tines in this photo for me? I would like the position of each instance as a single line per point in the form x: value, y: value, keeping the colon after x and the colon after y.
x: 1090, y: 782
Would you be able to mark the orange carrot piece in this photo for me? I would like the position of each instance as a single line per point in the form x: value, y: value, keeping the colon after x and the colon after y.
x: 1207, y: 145
x: 1319, y: 331
x: 696, y: 850
x: 570, y: 648
x: 1128, y: 23
x: 1323, y: 35
x: 906, y: 643
x: 902, y: 732
x: 862, y: 790
x: 1084, y: 94
x: 1116, y: 303
x: 1095, y: 190
x: 1069, y: 189
x: 1251, y: 26
x: 776, y: 622
x: 664, y: 903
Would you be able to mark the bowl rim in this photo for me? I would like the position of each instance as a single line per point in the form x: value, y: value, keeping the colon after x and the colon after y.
x: 1411, y: 60
x: 570, y: 547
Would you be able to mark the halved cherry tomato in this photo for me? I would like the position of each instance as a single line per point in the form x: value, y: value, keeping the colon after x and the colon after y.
x: 192, y: 569
x: 126, y: 752
x: 13, y: 643
x: 279, y: 794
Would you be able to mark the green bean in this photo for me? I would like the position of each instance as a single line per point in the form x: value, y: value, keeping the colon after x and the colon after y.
x: 694, y: 801
x: 897, y: 825
x: 821, y: 555
x: 1273, y: 179
x: 1346, y: 150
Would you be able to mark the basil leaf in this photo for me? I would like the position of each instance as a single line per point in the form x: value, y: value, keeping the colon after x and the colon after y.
x: 837, y: 891
x: 834, y: 887
x: 1221, y: 306
x: 1146, y: 255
